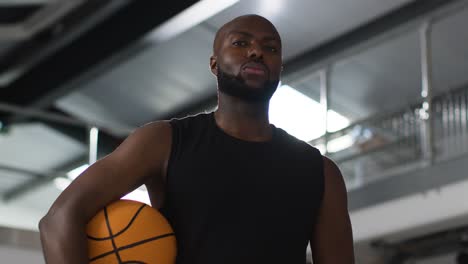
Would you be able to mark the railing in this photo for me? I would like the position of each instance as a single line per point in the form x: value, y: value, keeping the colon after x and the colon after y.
x: 385, y: 145
x: 450, y: 124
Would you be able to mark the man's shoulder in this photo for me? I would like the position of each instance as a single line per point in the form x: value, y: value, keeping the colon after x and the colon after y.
x: 160, y: 128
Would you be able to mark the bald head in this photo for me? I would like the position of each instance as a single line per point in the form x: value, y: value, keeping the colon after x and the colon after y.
x: 247, y: 60
x: 240, y: 22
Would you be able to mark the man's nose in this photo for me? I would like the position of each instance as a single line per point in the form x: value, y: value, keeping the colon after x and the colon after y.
x: 255, y: 51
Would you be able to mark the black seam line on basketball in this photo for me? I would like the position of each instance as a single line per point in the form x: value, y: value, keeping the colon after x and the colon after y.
x: 131, y: 245
x: 123, y: 230
x: 112, y: 237
x: 144, y: 241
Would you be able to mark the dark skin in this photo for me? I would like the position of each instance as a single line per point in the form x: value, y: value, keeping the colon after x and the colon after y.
x: 142, y: 158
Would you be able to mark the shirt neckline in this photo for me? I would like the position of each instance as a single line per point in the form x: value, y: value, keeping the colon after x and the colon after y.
x: 220, y: 131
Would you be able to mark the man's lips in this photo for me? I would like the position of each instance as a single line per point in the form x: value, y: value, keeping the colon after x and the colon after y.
x: 254, y: 68
x: 255, y: 71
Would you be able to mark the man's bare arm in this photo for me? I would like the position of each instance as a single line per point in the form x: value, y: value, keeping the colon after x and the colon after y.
x: 139, y: 158
x: 332, y: 241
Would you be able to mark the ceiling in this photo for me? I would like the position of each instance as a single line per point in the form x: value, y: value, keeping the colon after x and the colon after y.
x: 105, y: 64
x: 167, y: 84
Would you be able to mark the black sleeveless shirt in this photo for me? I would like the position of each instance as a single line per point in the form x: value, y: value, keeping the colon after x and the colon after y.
x: 240, y: 202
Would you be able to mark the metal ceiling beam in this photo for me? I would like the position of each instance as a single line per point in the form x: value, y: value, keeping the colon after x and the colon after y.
x: 106, y: 145
x: 23, y: 55
x: 68, y: 126
x: 40, y: 178
x: 115, y: 33
x: 8, y: 3
x: 75, y: 129
x: 58, y: 120
x: 15, y: 14
x: 38, y: 20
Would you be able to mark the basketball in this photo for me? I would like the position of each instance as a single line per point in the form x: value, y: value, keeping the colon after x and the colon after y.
x: 128, y: 231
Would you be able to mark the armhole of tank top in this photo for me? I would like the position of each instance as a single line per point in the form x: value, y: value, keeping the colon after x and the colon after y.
x: 174, y: 146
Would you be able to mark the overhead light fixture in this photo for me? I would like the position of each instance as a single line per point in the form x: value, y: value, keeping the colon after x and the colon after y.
x: 189, y: 18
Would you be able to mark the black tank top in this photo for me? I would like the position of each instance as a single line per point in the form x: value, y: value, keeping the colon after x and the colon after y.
x: 240, y: 202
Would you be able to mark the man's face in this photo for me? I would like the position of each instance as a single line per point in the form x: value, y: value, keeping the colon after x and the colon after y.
x: 248, y: 60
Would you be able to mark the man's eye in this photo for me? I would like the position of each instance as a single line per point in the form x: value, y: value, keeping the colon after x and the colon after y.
x: 272, y: 49
x: 239, y: 43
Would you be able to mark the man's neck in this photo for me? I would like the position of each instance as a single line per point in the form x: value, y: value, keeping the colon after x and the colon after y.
x: 244, y: 120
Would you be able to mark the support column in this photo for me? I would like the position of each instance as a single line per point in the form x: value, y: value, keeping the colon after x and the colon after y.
x: 426, y: 113
x: 325, y: 99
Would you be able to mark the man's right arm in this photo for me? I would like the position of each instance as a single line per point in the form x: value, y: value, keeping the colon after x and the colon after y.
x: 140, y: 158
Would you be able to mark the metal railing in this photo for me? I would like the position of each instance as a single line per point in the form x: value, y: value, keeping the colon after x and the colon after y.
x: 450, y: 124
x: 387, y: 144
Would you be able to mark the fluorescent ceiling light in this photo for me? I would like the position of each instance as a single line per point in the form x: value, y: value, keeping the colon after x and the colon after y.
x: 189, y: 18
x: 301, y: 116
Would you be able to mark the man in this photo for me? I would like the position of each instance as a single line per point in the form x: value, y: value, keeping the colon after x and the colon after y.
x: 234, y: 188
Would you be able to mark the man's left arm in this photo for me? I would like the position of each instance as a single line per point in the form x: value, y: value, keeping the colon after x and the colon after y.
x: 332, y: 239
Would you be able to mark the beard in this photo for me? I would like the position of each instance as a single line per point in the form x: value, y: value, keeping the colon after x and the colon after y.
x: 237, y: 87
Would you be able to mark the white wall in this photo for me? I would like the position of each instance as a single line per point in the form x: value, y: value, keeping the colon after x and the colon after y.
x: 417, y: 213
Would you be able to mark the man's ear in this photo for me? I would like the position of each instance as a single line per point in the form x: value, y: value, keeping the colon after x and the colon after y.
x: 213, y: 65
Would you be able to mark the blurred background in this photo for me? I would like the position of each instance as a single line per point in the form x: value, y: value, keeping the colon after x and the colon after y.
x: 381, y: 87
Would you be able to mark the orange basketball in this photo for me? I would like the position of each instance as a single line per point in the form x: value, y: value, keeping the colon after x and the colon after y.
x: 130, y: 232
